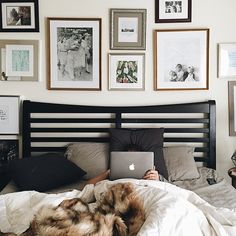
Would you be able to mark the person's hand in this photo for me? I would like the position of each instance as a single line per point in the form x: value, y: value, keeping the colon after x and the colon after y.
x: 104, y: 175
x: 151, y: 175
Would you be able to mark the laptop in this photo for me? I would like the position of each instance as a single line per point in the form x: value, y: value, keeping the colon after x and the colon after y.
x: 130, y: 164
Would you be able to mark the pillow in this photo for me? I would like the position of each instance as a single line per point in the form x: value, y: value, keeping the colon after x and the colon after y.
x: 44, y: 172
x: 143, y: 140
x: 91, y: 157
x: 180, y: 163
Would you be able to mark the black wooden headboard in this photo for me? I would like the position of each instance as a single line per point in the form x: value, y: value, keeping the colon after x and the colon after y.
x: 50, y: 127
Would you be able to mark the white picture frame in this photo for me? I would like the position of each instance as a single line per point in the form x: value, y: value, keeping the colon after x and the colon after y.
x: 227, y: 60
x: 74, y: 53
x: 181, y: 60
x: 20, y: 60
x: 126, y: 71
x: 9, y: 114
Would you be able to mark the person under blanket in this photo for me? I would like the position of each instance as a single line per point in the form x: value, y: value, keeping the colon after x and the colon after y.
x: 149, y: 175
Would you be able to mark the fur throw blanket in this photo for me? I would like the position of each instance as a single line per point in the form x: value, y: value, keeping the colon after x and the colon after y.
x: 120, y: 213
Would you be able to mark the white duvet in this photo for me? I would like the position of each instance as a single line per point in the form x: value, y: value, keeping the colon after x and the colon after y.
x: 170, y: 210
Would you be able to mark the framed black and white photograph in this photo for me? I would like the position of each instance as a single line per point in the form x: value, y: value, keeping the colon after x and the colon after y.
x: 19, y: 16
x: 181, y: 59
x: 128, y: 29
x: 74, y: 53
x: 227, y: 60
x: 232, y: 108
x: 9, y: 150
x: 126, y: 71
x: 19, y: 60
x: 168, y: 11
x: 9, y: 114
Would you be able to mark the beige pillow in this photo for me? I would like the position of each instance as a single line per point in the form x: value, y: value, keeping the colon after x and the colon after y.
x: 180, y: 163
x: 91, y: 157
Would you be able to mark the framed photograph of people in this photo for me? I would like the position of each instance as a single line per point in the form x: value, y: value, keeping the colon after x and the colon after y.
x: 181, y: 59
x: 169, y: 11
x: 128, y: 29
x: 126, y: 71
x: 19, y: 16
x: 227, y: 60
x: 74, y: 53
x: 232, y: 108
x: 9, y: 114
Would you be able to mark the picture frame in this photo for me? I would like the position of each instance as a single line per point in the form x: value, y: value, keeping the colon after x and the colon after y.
x: 171, y: 11
x: 126, y: 71
x: 19, y: 16
x: 17, y: 51
x: 232, y: 107
x: 181, y: 59
x: 74, y: 53
x: 9, y: 114
x: 9, y: 150
x: 227, y: 60
x: 128, y: 29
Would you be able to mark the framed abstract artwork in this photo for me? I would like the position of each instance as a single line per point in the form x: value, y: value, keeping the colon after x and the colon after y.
x: 128, y: 29
x: 74, y: 59
x: 232, y: 108
x: 19, y: 16
x: 227, y: 60
x: 169, y: 11
x: 181, y: 59
x: 19, y: 60
x: 126, y: 71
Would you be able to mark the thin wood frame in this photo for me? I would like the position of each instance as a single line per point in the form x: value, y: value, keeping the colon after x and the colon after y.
x: 207, y: 31
x: 49, y: 56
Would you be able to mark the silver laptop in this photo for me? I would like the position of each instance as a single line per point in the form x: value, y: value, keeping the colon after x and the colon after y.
x: 130, y: 164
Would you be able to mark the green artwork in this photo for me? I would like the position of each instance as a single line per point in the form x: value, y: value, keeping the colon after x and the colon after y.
x: 126, y: 72
x: 20, y: 60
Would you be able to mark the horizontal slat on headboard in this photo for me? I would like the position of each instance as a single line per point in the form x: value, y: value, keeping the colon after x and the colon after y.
x: 45, y: 124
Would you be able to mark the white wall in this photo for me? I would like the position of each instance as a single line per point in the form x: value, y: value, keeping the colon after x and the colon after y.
x: 217, y: 15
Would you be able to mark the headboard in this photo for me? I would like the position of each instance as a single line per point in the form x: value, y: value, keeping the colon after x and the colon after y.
x: 49, y: 127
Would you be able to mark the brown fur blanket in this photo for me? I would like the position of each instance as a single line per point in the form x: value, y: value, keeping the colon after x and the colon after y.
x: 120, y: 213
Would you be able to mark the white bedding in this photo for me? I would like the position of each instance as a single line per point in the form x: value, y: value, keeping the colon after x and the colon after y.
x: 170, y: 210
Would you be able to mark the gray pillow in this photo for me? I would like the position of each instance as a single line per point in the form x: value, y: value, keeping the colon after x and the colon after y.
x: 91, y: 157
x: 180, y: 163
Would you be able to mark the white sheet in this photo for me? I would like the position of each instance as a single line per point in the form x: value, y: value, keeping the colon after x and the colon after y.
x: 170, y: 210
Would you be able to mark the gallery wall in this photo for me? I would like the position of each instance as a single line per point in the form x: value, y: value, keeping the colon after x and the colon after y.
x: 218, y: 16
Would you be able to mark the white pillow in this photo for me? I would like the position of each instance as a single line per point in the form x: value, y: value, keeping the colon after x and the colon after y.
x: 180, y: 163
x: 91, y: 157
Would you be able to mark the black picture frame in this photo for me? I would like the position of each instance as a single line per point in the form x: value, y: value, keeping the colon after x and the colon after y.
x: 17, y: 26
x: 186, y: 13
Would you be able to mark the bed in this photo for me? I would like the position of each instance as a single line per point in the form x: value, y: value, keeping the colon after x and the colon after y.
x: 51, y: 127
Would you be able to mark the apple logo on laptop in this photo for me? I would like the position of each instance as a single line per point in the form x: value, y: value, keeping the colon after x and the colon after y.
x: 132, y: 167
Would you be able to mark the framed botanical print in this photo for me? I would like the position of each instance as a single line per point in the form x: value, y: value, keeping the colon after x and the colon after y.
x: 19, y: 60
x: 128, y: 29
x: 19, y: 16
x: 181, y: 59
x: 74, y: 60
x: 126, y: 71
x: 9, y: 150
x: 227, y: 60
x: 169, y: 11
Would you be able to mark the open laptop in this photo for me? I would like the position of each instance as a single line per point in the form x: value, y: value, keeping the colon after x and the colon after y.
x: 130, y: 164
